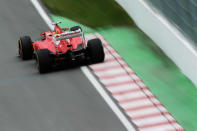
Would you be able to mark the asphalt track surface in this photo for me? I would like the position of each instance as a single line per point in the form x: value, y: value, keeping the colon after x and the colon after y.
x: 58, y: 101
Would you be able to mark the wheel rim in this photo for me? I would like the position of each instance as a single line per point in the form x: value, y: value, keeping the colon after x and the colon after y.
x: 37, y: 62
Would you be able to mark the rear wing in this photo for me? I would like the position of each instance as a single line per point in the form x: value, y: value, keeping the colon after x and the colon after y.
x: 68, y: 35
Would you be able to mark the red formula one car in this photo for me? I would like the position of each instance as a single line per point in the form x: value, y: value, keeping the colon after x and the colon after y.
x: 59, y: 47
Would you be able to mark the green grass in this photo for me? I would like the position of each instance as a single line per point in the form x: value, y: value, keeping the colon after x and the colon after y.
x: 92, y: 13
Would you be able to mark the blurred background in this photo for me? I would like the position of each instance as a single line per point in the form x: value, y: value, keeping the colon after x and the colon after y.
x: 92, y: 13
x: 182, y: 13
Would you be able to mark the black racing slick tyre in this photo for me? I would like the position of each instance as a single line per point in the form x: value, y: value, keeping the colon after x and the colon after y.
x: 95, y: 50
x: 25, y: 48
x: 74, y: 28
x: 43, y: 60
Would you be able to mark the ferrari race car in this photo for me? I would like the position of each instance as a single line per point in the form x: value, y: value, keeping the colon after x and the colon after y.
x: 59, y: 47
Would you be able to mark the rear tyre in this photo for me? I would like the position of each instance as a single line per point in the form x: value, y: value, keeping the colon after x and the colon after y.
x: 43, y: 60
x: 95, y: 50
x: 74, y: 28
x: 25, y: 48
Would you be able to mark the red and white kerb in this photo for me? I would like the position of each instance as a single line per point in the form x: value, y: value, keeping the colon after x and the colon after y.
x: 131, y: 94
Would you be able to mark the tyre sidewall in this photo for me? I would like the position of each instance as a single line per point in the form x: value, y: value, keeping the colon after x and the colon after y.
x: 25, y: 47
x: 43, y: 60
x: 95, y: 50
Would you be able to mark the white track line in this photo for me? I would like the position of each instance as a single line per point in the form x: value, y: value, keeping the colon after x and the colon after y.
x: 89, y: 75
x: 42, y: 13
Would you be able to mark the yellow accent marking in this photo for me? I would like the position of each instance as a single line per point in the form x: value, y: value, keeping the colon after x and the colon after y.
x: 21, y: 48
x: 37, y: 61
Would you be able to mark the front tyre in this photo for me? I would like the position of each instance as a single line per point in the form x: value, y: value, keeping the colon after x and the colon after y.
x: 25, y: 48
x: 43, y: 60
x: 95, y: 50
